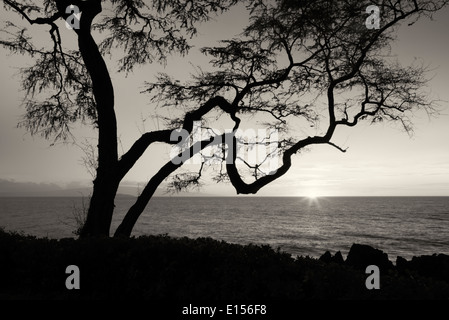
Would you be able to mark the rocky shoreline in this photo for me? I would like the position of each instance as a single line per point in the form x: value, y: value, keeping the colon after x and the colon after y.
x: 184, y: 269
x: 360, y: 256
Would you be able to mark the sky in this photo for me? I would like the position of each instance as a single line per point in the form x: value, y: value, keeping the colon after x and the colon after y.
x: 381, y: 160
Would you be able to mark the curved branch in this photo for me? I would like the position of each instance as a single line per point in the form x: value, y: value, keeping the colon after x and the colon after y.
x: 251, y: 188
x: 139, y: 147
x: 125, y: 228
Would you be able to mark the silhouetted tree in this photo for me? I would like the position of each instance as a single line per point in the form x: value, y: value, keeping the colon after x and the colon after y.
x: 297, y: 64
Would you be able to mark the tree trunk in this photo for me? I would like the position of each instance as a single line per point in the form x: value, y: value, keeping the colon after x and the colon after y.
x: 127, y: 225
x: 101, y: 208
x: 106, y: 183
x: 125, y: 228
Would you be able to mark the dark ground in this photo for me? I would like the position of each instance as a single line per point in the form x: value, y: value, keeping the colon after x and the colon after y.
x: 182, y: 269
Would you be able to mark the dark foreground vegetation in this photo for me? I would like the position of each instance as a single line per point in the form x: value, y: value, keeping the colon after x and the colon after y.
x: 161, y: 267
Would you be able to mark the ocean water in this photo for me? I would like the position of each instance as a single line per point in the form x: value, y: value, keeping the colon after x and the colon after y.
x: 400, y: 226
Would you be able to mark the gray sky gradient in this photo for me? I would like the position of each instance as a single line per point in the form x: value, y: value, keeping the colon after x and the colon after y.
x: 381, y: 159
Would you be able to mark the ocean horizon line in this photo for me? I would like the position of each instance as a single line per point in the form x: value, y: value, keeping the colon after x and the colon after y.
x: 124, y: 195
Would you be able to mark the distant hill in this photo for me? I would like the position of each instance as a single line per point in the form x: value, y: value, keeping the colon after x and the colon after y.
x: 11, y: 188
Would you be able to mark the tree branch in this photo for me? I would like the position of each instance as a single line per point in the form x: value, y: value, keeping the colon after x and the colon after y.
x: 135, y: 152
x: 135, y: 211
x: 49, y: 20
x: 337, y: 147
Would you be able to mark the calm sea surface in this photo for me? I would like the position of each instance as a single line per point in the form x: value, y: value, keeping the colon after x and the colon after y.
x: 404, y: 226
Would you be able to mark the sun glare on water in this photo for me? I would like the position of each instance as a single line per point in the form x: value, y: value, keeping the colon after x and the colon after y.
x: 312, y: 198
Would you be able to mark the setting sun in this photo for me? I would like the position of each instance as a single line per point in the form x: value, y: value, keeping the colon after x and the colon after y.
x: 311, y: 197
x: 312, y: 194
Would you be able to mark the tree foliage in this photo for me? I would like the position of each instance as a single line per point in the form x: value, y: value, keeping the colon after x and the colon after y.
x: 296, y: 65
x: 309, y: 60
